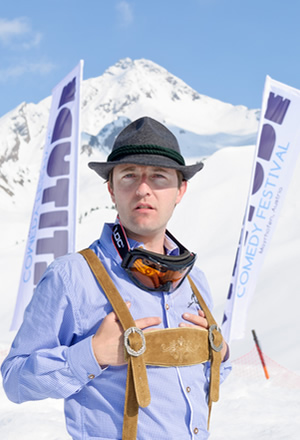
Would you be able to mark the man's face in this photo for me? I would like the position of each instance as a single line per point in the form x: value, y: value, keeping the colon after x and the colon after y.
x: 145, y: 198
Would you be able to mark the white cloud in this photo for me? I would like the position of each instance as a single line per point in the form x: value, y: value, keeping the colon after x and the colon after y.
x: 12, y: 28
x: 125, y: 13
x: 18, y: 33
x: 34, y: 41
x: 17, y: 71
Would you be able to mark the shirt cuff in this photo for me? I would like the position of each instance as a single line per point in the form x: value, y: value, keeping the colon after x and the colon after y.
x: 227, y: 354
x: 83, y: 362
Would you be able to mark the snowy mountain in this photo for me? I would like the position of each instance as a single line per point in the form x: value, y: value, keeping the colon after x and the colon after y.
x: 213, y: 206
x: 124, y: 92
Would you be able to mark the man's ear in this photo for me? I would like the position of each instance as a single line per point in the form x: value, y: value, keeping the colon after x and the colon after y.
x: 181, y: 191
x: 111, y: 192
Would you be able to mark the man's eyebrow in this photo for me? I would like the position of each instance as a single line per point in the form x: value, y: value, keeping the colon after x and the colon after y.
x: 133, y: 167
x: 161, y: 169
x: 128, y: 168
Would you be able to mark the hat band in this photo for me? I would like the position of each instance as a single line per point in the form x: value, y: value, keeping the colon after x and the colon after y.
x: 126, y: 150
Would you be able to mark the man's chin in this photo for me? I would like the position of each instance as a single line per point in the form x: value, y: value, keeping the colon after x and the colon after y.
x: 142, y: 230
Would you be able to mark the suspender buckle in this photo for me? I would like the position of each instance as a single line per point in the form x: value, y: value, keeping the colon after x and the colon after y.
x: 127, y: 344
x: 211, y: 338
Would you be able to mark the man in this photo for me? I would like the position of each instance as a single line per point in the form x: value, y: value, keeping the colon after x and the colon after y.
x: 129, y: 344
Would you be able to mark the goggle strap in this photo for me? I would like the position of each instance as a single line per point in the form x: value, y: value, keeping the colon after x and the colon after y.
x: 180, y: 246
x: 120, y: 241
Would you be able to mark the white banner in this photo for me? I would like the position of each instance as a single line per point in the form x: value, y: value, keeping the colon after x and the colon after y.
x: 277, y: 148
x: 52, y: 231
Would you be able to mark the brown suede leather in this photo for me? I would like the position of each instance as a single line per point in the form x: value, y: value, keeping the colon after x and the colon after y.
x: 180, y: 346
x: 164, y: 348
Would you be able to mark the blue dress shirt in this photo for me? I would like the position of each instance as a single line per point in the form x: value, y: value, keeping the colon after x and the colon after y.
x: 52, y: 354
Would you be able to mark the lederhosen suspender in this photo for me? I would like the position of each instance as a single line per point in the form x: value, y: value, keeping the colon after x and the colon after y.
x: 163, y: 347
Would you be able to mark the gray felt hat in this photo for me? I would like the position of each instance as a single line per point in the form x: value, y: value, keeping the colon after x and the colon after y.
x: 146, y: 142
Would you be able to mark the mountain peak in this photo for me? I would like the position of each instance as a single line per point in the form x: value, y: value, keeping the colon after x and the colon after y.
x: 129, y: 64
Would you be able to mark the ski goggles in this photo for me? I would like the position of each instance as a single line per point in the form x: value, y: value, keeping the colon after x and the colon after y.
x: 157, y: 272
x: 149, y: 270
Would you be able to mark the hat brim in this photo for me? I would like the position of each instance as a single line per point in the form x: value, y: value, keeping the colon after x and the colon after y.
x: 104, y: 168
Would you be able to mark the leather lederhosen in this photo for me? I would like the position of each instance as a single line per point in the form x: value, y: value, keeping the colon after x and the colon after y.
x: 162, y: 347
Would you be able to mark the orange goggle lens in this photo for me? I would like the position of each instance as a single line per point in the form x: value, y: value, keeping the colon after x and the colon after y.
x: 156, y: 276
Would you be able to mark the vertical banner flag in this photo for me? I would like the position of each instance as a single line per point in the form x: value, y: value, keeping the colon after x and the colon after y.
x: 277, y: 148
x: 52, y: 230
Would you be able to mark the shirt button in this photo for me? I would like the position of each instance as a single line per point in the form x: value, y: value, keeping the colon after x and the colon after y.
x: 91, y: 376
x: 196, y: 430
x: 188, y: 389
x: 167, y: 306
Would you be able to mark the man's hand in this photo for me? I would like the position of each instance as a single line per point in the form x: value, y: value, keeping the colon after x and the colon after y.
x: 108, y: 342
x: 201, y: 321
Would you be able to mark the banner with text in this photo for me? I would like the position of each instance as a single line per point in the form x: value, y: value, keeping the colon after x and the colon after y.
x: 52, y: 230
x: 277, y: 148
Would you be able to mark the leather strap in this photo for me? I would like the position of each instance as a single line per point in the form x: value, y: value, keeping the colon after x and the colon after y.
x: 137, y: 387
x: 164, y: 347
x: 215, y: 356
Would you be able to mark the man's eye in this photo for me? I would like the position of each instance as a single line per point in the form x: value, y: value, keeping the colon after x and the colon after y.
x: 159, y: 176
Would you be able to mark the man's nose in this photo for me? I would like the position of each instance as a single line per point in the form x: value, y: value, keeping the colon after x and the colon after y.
x: 143, y: 188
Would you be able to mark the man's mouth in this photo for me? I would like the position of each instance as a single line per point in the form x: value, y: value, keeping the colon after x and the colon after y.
x: 143, y: 206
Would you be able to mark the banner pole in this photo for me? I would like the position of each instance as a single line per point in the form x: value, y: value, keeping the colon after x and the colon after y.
x: 260, y: 354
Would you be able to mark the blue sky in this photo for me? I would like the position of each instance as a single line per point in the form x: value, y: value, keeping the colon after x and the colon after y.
x: 221, y: 48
